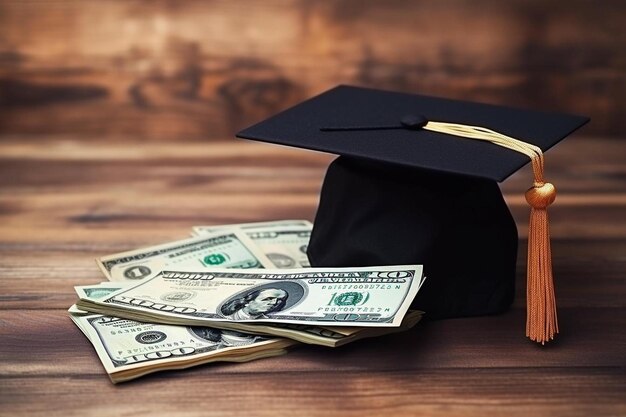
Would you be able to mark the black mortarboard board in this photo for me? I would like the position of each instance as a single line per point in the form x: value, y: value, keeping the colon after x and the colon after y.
x: 400, y: 193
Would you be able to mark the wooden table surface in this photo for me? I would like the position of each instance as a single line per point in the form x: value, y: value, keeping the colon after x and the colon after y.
x: 64, y: 202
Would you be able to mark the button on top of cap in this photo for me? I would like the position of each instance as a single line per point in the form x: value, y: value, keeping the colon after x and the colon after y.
x: 413, y: 121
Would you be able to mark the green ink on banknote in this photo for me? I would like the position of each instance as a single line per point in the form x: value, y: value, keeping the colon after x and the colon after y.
x: 214, y: 259
x: 348, y: 299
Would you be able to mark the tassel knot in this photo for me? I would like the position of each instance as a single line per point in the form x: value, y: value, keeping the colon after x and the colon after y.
x: 541, y: 195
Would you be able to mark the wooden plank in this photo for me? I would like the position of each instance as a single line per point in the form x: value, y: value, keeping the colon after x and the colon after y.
x: 126, y: 211
x: 54, y: 346
x: 452, y: 392
x: 580, y: 157
x: 42, y: 275
x: 129, y: 187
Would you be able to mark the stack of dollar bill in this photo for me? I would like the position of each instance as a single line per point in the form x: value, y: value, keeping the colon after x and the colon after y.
x: 234, y: 293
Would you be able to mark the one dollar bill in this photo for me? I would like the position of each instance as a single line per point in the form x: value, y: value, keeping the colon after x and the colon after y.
x: 284, y: 242
x: 227, y: 249
x: 285, y: 247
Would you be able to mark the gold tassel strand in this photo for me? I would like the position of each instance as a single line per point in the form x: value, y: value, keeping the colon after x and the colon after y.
x: 541, y: 316
x: 541, y: 323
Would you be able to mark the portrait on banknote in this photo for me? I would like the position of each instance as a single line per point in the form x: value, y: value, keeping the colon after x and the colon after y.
x: 262, y: 301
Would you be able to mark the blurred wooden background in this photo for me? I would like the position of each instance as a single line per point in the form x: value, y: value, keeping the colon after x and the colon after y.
x: 116, y: 127
x: 201, y: 70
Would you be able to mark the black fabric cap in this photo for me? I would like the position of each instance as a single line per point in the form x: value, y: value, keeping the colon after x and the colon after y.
x: 399, y: 194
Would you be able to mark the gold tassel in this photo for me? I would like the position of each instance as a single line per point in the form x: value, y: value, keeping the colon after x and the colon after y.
x: 541, y: 316
x: 541, y: 319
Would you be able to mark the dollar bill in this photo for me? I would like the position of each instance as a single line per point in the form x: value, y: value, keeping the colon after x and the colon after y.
x: 101, y: 290
x: 283, y: 242
x: 227, y: 249
x: 97, y: 291
x: 200, y: 230
x: 328, y: 335
x: 75, y: 311
x: 319, y: 335
x: 285, y: 246
x: 363, y: 297
x: 130, y: 349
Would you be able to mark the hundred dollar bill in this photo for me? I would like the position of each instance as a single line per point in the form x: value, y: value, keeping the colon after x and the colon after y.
x: 329, y: 335
x: 319, y: 335
x: 363, y: 297
x: 200, y: 230
x: 227, y: 249
x: 130, y: 349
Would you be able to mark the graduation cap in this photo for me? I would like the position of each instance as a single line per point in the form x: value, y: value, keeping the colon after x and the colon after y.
x: 416, y: 182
